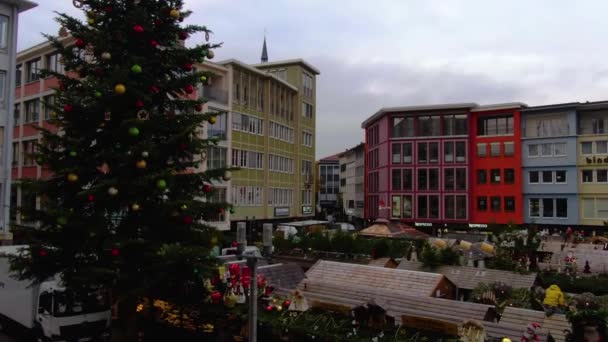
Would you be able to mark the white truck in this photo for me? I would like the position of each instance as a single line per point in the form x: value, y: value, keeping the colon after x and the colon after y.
x: 47, y: 310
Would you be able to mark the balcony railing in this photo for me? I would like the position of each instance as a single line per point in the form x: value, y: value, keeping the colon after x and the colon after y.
x: 215, y: 94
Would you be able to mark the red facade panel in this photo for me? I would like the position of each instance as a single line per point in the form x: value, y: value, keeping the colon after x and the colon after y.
x: 29, y: 172
x: 32, y: 88
x: 29, y: 131
x: 50, y: 83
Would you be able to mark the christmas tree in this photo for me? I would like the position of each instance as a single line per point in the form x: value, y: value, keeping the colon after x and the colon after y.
x: 125, y: 208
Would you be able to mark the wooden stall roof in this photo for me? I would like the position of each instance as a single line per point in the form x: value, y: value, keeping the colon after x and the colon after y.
x: 384, y: 262
x: 468, y: 278
x: 415, y: 283
x: 392, y: 230
x: 283, y: 277
x: 512, y: 331
x: 395, y: 302
x: 556, y: 324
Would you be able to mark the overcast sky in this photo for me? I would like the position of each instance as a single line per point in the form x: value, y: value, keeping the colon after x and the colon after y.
x: 373, y: 54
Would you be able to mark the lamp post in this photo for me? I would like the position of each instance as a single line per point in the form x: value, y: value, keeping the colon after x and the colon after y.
x: 252, y: 260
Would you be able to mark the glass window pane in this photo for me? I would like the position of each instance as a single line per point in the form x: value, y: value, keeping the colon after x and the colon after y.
x: 433, y: 152
x: 601, y: 147
x: 559, y: 149
x: 422, y: 152
x: 482, y: 177
x: 602, y: 176
x: 561, y: 207
x: 587, y: 176
x: 495, y: 203
x: 396, y: 206
x: 587, y: 147
x: 407, y: 153
x: 533, y: 150
x: 461, y: 124
x: 434, y: 207
x: 3, y: 32
x: 548, y: 207
x: 448, y: 152
x: 588, y: 208
x: 396, y: 153
x: 495, y: 149
x: 509, y: 149
x: 407, y: 179
x: 398, y: 128
x: 534, y: 207
x: 482, y: 203
x: 482, y: 150
x: 510, y: 204
x: 433, y: 179
x: 449, y: 207
x: 501, y: 126
x: 495, y: 176
x: 396, y: 183
x: 509, y: 176
x: 461, y: 152
x: 448, y: 179
x: 546, y: 150
x: 601, y: 208
x: 461, y: 207
x: 422, y: 207
x: 560, y: 176
x: 547, y: 176
x: 422, y: 179
x: 461, y: 179
x: 407, y: 206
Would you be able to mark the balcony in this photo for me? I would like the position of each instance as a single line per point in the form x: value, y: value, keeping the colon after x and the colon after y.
x: 215, y: 94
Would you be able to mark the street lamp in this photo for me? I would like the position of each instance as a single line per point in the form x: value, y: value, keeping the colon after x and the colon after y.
x: 252, y: 260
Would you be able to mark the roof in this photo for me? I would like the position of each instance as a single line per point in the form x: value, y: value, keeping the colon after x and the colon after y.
x: 568, y: 105
x: 396, y: 303
x: 283, y: 277
x: 556, y: 324
x: 385, y: 110
x: 381, y: 262
x: 14, y: 250
x: 302, y: 223
x: 593, y: 105
x: 289, y: 61
x: 468, y: 278
x: 347, y: 274
x: 512, y: 331
x: 332, y: 158
x: 22, y: 5
x: 257, y: 71
x: 352, y: 149
x: 393, y: 230
x: 499, y: 106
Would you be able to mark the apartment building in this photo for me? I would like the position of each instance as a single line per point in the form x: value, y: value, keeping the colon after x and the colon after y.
x: 328, y: 184
x: 265, y: 125
x: 352, y: 175
x: 9, y: 23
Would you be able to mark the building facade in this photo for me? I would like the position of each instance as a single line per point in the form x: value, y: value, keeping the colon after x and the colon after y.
x: 549, y: 158
x: 592, y: 163
x: 328, y: 184
x: 417, y: 164
x: 352, y: 175
x: 9, y: 22
x: 496, y: 172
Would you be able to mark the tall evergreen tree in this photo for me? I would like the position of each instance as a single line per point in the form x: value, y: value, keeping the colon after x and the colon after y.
x: 125, y: 208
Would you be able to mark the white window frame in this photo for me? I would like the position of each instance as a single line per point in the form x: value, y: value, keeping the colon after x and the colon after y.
x: 4, y: 32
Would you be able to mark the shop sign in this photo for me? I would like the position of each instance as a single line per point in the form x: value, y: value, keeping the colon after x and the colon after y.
x: 281, y: 211
x: 423, y: 224
x: 597, y: 160
x: 307, y: 209
x: 478, y: 225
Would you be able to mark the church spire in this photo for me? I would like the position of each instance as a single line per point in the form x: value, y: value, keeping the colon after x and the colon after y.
x: 264, y: 51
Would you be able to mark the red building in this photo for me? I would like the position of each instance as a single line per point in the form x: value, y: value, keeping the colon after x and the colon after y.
x: 417, y: 164
x: 496, y: 177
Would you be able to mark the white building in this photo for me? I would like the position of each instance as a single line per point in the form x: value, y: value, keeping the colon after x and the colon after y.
x: 352, y: 174
x: 9, y: 21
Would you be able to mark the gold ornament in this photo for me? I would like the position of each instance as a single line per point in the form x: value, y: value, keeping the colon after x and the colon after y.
x: 141, y: 164
x: 227, y: 176
x: 91, y: 21
x: 112, y: 191
x: 120, y: 89
x: 72, y: 177
x: 212, y: 119
x: 210, y: 54
x: 135, y: 207
x: 106, y: 56
x: 174, y: 14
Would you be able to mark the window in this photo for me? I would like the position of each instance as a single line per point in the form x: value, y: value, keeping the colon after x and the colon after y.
x: 374, y: 159
x: 422, y: 152
x: 307, y: 110
x: 407, y: 207
x: 2, y: 88
x: 402, y: 127
x: 482, y: 203
x: 534, y: 207
x: 592, y: 125
x: 16, y: 154
x: 509, y: 149
x: 433, y: 152
x: 546, y: 126
x: 280, y: 197
x: 547, y: 207
x: 433, y: 179
x: 422, y: 179
x: 461, y: 207
x: 448, y: 152
x: 307, y: 139
x: 482, y: 150
x: 351, y: 204
x: 495, y: 203
x: 396, y: 148
x: 601, y: 176
x: 587, y: 147
x: 461, y: 152
x: 495, y: 176
x: 429, y: 126
x: 396, y: 180
x: 455, y: 207
x: 546, y: 150
x: 284, y: 133
x: 448, y: 204
x: 342, y: 182
x: 33, y: 69
x: 547, y: 177
x: 307, y: 167
x: 48, y: 102
x: 247, y: 159
x: 455, y: 124
x: 434, y: 207
x: 247, y: 124
x: 448, y: 179
x: 533, y: 151
x: 510, y: 204
x: 248, y: 196
x: 461, y: 179
x: 396, y: 206
x: 219, y: 128
x: 534, y: 177
x: 560, y: 176
x: 595, y: 208
x: 422, y: 207
x: 407, y: 179
x: 306, y: 84
x: 495, y: 149
x: 218, y: 196
x: 407, y: 153
x: 18, y: 73
x: 4, y: 31
x: 601, y: 147
x: 216, y: 157
x: 559, y: 149
x: 587, y: 176
x: 53, y: 63
x: 28, y: 152
x: 502, y: 125
x: 509, y: 176
x: 307, y: 198
x: 17, y: 114
x: 482, y: 177
x: 31, y: 111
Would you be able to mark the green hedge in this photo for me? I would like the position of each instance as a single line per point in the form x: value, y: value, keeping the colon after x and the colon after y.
x: 598, y: 285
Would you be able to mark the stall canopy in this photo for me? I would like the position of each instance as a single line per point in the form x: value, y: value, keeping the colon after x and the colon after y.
x: 383, y: 228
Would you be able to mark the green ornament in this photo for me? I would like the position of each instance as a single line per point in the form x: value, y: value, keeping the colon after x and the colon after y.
x: 161, y: 184
x: 62, y: 220
x: 73, y: 154
x: 136, y: 68
x: 203, y: 78
x: 98, y: 94
x: 232, y: 211
x: 133, y: 131
x: 184, y: 207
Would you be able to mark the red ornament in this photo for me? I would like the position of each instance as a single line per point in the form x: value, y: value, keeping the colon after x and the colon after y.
x: 216, y: 296
x: 221, y: 211
x: 43, y: 252
x: 187, y: 219
x: 108, y: 9
x: 115, y: 252
x: 268, y: 290
x: 153, y: 43
x: 183, y: 35
x: 91, y: 198
x: 80, y: 43
x: 286, y: 303
x: 154, y: 89
x: 214, y: 281
x: 183, y: 146
x: 138, y: 29
x: 68, y: 108
x: 187, y: 67
x: 139, y: 104
x: 269, y: 308
x: 189, y: 89
x: 199, y: 107
x: 207, y: 188
x: 235, y: 244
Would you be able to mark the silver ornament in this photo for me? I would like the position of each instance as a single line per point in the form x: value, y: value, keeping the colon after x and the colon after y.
x: 112, y: 191
x: 227, y: 176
